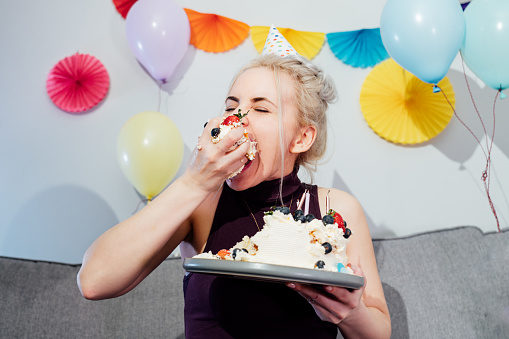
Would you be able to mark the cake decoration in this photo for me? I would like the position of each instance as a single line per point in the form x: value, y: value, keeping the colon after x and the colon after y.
x: 294, y: 239
x: 226, y: 125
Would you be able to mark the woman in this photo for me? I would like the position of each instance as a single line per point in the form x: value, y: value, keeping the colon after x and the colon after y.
x: 287, y: 99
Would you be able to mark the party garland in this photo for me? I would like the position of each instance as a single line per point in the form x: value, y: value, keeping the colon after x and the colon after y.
x: 215, y: 33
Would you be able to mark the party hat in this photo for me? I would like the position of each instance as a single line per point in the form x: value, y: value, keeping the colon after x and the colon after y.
x: 277, y: 44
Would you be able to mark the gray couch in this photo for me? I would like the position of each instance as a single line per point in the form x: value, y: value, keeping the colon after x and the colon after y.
x: 444, y: 284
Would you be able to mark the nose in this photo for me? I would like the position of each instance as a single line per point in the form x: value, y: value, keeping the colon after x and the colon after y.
x: 245, y: 120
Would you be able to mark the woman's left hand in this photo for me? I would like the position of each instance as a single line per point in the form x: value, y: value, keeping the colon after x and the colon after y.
x: 332, y: 303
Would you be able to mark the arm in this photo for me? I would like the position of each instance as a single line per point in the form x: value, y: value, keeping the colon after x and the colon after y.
x: 359, y: 313
x: 124, y: 255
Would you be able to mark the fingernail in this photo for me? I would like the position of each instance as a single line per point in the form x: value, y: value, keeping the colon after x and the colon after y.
x: 328, y: 288
x: 291, y: 285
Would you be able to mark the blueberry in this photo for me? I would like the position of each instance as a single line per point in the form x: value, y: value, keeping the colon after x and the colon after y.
x: 328, y: 247
x: 309, y: 217
x: 344, y: 223
x: 236, y: 251
x: 298, y: 215
x: 277, y: 208
x: 328, y: 219
x: 347, y: 234
x: 215, y: 132
x: 285, y: 210
x: 320, y: 264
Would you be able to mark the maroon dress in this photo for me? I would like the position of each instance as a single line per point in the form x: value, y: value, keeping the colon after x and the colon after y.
x: 224, y: 307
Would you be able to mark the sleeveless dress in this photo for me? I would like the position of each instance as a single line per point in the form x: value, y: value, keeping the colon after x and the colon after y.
x: 225, y: 307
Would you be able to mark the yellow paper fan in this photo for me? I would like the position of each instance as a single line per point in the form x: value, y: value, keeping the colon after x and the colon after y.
x: 307, y: 44
x: 215, y: 33
x: 403, y: 109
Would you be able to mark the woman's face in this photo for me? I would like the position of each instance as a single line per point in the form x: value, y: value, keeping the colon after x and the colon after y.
x: 255, y: 91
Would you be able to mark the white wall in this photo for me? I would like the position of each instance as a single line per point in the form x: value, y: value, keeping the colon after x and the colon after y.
x: 61, y: 185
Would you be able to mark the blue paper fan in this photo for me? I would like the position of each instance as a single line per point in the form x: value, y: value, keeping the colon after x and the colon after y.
x: 362, y: 48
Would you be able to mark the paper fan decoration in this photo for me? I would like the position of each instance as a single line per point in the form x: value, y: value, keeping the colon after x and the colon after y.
x: 401, y: 108
x: 123, y: 6
x: 215, y: 33
x: 77, y: 83
x: 307, y: 44
x: 362, y: 48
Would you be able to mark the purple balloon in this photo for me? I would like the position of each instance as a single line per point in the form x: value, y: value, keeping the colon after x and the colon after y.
x: 158, y: 34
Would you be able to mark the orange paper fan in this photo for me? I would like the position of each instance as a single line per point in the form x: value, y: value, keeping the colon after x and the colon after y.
x: 77, y: 83
x: 403, y: 109
x: 307, y: 44
x: 123, y: 6
x: 215, y: 33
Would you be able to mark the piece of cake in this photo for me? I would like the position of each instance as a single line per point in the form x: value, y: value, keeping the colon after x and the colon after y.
x: 294, y: 240
x: 226, y: 125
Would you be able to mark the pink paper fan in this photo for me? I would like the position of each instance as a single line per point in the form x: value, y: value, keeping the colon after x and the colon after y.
x: 77, y: 83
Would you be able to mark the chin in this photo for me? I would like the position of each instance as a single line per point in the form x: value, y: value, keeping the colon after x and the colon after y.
x: 244, y: 179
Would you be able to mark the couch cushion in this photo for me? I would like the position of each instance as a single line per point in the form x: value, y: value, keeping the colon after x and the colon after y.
x: 447, y: 284
x: 42, y: 300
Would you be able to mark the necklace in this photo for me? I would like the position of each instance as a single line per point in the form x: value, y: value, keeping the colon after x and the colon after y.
x: 256, y: 222
x: 252, y: 215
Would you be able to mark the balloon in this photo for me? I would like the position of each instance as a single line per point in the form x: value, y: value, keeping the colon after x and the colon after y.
x: 423, y: 36
x: 149, y: 150
x: 485, y: 49
x: 158, y: 34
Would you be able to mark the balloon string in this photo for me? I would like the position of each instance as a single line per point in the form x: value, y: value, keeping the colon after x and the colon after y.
x: 486, y: 174
x: 141, y: 201
x: 476, y: 110
x: 159, y: 102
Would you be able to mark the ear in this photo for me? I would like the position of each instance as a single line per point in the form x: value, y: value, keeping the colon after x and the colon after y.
x: 304, y: 140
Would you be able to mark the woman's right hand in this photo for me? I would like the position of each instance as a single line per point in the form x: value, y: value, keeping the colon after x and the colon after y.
x: 211, y: 164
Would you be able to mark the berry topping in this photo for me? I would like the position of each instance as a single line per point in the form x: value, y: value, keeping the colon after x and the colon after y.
x: 328, y: 247
x: 320, y: 264
x: 328, y: 219
x: 309, y: 217
x: 215, y: 132
x: 298, y: 215
x: 236, y: 251
x: 233, y: 119
x: 285, y: 210
x: 338, y: 219
x: 223, y: 253
x: 347, y: 233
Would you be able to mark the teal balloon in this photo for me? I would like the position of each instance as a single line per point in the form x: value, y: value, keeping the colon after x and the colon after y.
x: 485, y: 48
x: 423, y: 36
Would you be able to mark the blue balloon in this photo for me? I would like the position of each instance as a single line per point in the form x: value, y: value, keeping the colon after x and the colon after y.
x: 485, y: 49
x: 423, y: 37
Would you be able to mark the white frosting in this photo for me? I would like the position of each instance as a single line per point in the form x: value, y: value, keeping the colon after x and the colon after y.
x: 284, y: 241
x: 225, y: 129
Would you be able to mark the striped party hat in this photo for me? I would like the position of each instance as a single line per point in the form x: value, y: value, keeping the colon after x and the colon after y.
x: 277, y: 44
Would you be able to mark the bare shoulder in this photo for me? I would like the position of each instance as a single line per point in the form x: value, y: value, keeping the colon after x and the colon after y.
x: 340, y: 201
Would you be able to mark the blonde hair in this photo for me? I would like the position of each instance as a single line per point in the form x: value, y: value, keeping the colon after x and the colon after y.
x: 314, y: 91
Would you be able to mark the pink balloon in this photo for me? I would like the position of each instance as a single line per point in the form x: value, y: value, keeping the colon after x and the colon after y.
x: 158, y: 34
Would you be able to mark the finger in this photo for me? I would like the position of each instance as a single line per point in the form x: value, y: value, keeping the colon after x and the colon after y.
x: 231, y: 138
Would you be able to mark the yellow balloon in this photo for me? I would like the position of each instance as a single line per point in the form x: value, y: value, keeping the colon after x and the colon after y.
x: 150, y: 150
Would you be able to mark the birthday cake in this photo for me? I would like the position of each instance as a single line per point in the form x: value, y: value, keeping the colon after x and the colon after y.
x: 226, y: 125
x: 296, y: 240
